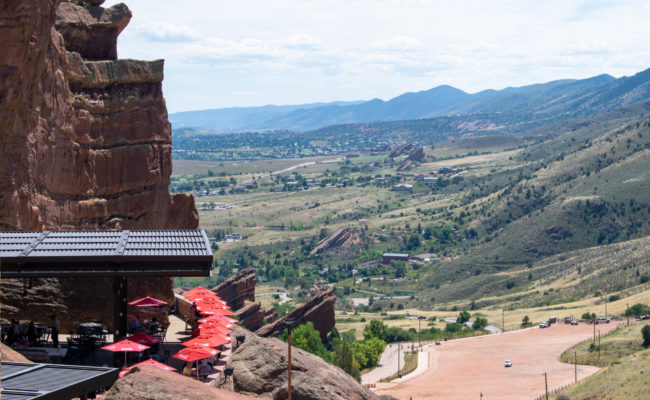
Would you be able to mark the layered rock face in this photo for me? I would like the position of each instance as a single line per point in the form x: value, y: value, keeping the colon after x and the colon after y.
x: 84, y: 144
x: 261, y: 371
x: 236, y: 289
x: 319, y: 310
x: 336, y: 239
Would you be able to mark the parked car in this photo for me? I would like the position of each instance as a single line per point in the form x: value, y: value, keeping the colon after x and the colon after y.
x: 437, y: 343
x: 508, y: 364
x: 574, y: 322
x: 602, y: 320
x: 544, y: 325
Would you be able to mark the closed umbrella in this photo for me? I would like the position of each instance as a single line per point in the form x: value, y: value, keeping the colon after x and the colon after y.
x: 148, y: 302
x: 153, y: 363
x: 126, y: 346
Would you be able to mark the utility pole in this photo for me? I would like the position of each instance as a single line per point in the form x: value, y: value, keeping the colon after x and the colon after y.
x: 575, y: 366
x: 598, y: 344
x: 594, y: 322
x: 503, y: 320
x: 419, y: 335
x: 398, y: 358
x: 605, y: 308
x: 627, y: 307
x: 546, y: 385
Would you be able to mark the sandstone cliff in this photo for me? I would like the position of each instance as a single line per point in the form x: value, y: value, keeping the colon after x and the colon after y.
x: 319, y: 310
x: 84, y: 144
x: 336, y: 239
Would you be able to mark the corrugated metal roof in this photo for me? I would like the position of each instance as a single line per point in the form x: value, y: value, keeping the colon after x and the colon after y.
x: 128, y: 250
x: 52, y: 381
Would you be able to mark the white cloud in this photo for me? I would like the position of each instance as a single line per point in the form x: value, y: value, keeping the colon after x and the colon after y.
x: 398, y: 43
x: 167, y: 32
x: 301, y: 41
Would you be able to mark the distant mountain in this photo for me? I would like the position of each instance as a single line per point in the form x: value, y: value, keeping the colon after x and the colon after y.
x: 557, y: 99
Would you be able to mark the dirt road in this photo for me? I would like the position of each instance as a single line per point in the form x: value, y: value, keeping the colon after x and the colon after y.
x: 464, y: 369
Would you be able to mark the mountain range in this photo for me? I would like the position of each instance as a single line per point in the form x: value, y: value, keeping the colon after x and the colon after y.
x: 557, y: 99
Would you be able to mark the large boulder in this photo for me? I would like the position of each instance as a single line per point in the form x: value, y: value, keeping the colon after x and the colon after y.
x: 9, y: 354
x: 319, y: 310
x: 151, y: 383
x: 261, y: 370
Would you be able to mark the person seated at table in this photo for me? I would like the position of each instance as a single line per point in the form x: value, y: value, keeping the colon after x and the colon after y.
x: 165, y: 357
x: 13, y: 335
x: 31, y: 333
x: 204, y: 369
x: 154, y: 325
x: 187, y: 370
x: 134, y: 324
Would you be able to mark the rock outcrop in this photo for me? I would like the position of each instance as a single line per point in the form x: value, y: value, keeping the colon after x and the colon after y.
x: 9, y: 354
x: 319, y: 310
x: 236, y: 289
x: 84, y: 144
x: 397, y: 150
x: 251, y: 316
x: 336, y: 239
x: 261, y: 370
x: 151, y: 383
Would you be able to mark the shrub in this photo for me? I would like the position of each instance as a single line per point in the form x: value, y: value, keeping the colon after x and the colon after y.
x: 463, y: 317
x: 479, y: 323
x: 376, y: 329
x: 644, y: 278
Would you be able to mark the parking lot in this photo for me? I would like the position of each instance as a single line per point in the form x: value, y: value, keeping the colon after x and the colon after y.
x: 464, y: 369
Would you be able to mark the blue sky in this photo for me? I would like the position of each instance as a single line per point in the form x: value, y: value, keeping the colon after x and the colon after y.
x: 249, y: 53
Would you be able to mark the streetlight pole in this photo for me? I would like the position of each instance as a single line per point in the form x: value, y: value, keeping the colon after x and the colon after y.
x: 419, y: 336
x: 289, y: 324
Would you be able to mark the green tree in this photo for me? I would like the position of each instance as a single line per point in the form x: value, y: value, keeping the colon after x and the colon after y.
x: 307, y: 338
x: 525, y: 321
x: 463, y: 317
x: 637, y: 310
x: 344, y: 359
x: 479, y: 323
x: 645, y: 332
x: 375, y: 329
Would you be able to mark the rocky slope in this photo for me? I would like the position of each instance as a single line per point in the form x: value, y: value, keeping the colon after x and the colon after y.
x: 261, y: 370
x: 151, y: 383
x: 84, y: 144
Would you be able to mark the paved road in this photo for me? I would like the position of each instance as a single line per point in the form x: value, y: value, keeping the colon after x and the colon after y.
x: 387, y: 365
x: 284, y: 297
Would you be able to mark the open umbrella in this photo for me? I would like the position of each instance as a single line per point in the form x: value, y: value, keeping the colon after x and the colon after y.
x: 153, y: 363
x: 218, y: 324
x: 218, y: 318
x: 202, y: 295
x: 126, y: 346
x: 210, y: 300
x: 213, y: 311
x: 195, y: 353
x: 143, y: 338
x: 148, y: 302
x: 198, y: 289
x: 207, y: 341
x: 211, y: 330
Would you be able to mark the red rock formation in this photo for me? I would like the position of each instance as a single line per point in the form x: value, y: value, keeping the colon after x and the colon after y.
x: 236, y: 289
x: 251, y: 316
x: 336, y: 239
x: 9, y: 354
x: 319, y: 310
x: 151, y: 383
x: 261, y: 370
x: 83, y: 145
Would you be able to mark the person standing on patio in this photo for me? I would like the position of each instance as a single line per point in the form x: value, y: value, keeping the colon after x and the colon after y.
x: 134, y: 324
x: 55, y: 326
x: 31, y: 333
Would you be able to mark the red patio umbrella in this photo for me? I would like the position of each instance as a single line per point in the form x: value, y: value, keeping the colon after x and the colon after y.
x: 218, y: 318
x: 218, y: 324
x: 211, y: 329
x: 143, y: 338
x: 213, y: 311
x: 153, y: 363
x: 148, y: 302
x: 207, y: 341
x: 198, y: 289
x: 202, y: 295
x: 190, y: 354
x: 126, y: 346
x: 210, y: 300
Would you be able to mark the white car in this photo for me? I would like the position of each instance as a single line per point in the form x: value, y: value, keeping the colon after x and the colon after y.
x: 508, y: 364
x: 543, y: 325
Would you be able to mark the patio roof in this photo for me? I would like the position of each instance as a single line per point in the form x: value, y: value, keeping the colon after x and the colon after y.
x: 105, y: 253
x: 26, y: 381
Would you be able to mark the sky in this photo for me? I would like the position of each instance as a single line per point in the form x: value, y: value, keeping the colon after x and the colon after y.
x: 240, y: 53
